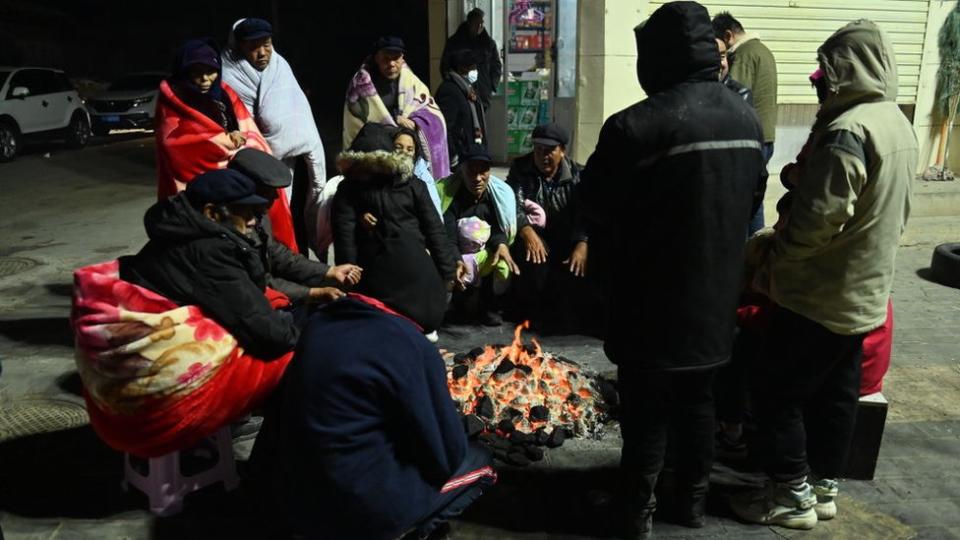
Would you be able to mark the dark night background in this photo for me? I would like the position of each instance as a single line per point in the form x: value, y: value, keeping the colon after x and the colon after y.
x: 324, y: 40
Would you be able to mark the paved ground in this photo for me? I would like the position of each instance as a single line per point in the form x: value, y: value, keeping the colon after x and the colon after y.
x: 75, y: 208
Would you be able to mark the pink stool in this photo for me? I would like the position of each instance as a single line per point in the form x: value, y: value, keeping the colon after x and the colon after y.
x: 166, y: 487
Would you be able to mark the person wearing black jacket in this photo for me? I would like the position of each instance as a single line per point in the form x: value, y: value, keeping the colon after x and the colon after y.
x: 473, y: 36
x: 199, y: 254
x: 293, y: 274
x: 459, y: 102
x: 675, y: 179
x: 385, y: 222
x: 553, y: 249
x: 363, y: 440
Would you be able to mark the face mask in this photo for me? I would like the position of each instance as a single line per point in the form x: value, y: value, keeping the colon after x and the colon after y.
x: 472, y: 76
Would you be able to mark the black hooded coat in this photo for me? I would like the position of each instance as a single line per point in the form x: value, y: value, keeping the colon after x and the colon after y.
x: 674, y: 179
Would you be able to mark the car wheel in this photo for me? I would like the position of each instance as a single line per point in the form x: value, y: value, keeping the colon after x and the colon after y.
x: 9, y: 141
x: 78, y: 132
x: 945, y: 266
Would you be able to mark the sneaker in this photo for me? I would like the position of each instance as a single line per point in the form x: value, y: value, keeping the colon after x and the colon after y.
x: 432, y: 337
x: 778, y: 504
x: 826, y: 491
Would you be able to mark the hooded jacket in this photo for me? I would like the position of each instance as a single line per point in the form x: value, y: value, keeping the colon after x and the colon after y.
x: 193, y: 260
x: 489, y: 66
x: 407, y: 257
x: 687, y: 172
x: 833, y: 262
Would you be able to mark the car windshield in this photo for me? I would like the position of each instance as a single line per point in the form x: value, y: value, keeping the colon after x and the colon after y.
x: 3, y: 77
x: 137, y: 82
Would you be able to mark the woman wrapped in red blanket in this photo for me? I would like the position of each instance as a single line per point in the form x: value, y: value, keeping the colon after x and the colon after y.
x: 200, y: 126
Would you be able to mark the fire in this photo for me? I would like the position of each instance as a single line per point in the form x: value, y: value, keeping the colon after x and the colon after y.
x: 519, y: 387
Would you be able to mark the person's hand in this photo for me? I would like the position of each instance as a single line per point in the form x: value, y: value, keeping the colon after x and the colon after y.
x: 578, y: 260
x: 536, y: 249
x: 460, y: 280
x: 503, y: 254
x: 472, y: 94
x: 403, y: 121
x: 237, y: 139
x: 345, y: 274
x: 369, y: 221
x: 322, y: 295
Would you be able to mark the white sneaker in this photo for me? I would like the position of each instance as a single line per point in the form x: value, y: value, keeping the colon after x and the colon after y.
x: 432, y: 337
x: 826, y: 491
x: 778, y: 504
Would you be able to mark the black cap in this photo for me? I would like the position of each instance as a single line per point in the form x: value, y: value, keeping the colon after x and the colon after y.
x: 475, y: 152
x: 223, y: 186
x: 463, y: 57
x: 262, y: 168
x: 389, y: 43
x: 203, y: 54
x: 250, y: 29
x: 550, y: 135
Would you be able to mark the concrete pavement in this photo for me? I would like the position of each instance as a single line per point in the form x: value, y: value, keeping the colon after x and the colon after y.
x: 80, y: 207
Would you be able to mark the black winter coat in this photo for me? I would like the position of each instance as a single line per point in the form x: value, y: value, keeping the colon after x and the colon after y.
x: 288, y: 272
x: 676, y: 178
x: 192, y: 260
x: 397, y: 268
x: 456, y: 109
x: 489, y: 68
x: 558, y: 198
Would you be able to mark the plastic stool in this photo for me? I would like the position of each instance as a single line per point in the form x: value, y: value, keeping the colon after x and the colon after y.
x: 164, y: 484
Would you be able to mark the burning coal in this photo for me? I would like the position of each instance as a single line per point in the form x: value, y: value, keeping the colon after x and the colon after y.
x: 522, y: 393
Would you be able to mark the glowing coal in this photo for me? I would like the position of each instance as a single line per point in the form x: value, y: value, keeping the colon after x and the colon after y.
x: 521, y: 389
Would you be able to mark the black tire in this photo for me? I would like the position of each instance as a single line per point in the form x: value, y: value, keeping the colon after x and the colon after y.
x: 945, y: 266
x: 10, y: 141
x: 78, y: 132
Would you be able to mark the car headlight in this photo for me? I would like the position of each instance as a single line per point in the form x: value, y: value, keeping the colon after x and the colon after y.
x: 142, y: 100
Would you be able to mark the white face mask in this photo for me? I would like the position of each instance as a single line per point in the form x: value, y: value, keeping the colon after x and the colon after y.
x: 472, y: 76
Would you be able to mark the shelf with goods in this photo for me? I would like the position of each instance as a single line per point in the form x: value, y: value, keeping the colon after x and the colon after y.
x: 528, y: 105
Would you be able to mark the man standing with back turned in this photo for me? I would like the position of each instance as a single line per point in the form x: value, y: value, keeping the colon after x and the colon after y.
x: 687, y: 172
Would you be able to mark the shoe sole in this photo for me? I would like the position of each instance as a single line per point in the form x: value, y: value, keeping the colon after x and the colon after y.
x: 804, y: 521
x: 826, y: 511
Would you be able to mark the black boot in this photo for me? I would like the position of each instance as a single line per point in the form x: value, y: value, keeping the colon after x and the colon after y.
x: 691, y: 503
x: 637, y: 504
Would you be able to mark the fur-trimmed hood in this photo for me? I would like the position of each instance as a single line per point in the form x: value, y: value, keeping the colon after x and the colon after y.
x: 378, y: 163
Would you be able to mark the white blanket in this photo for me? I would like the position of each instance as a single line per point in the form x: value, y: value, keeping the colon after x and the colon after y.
x: 283, y: 114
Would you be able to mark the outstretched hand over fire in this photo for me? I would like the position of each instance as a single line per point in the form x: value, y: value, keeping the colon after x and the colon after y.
x: 503, y: 254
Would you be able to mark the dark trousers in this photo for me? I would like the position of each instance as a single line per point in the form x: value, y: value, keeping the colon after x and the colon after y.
x: 807, y: 382
x: 452, y: 503
x: 732, y: 386
x: 654, y: 404
x: 298, y: 196
x: 757, y: 222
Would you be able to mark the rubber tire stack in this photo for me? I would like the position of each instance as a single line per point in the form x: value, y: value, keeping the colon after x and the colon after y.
x: 945, y: 266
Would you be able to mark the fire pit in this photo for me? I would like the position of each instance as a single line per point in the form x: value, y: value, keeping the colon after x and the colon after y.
x: 525, y: 397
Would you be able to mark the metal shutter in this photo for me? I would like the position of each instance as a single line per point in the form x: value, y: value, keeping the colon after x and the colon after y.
x: 793, y: 29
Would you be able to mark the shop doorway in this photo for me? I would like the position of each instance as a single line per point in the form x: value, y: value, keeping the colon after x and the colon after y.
x: 538, y: 46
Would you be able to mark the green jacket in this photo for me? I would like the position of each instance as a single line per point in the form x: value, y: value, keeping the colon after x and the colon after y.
x: 752, y: 65
x: 834, y: 261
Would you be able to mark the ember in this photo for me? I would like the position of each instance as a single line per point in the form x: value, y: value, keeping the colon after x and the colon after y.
x: 521, y: 392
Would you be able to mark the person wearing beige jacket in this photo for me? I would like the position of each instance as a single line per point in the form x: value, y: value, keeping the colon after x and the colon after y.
x: 831, y: 271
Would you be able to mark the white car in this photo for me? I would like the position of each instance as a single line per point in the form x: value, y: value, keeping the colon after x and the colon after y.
x: 39, y: 102
x: 128, y: 103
